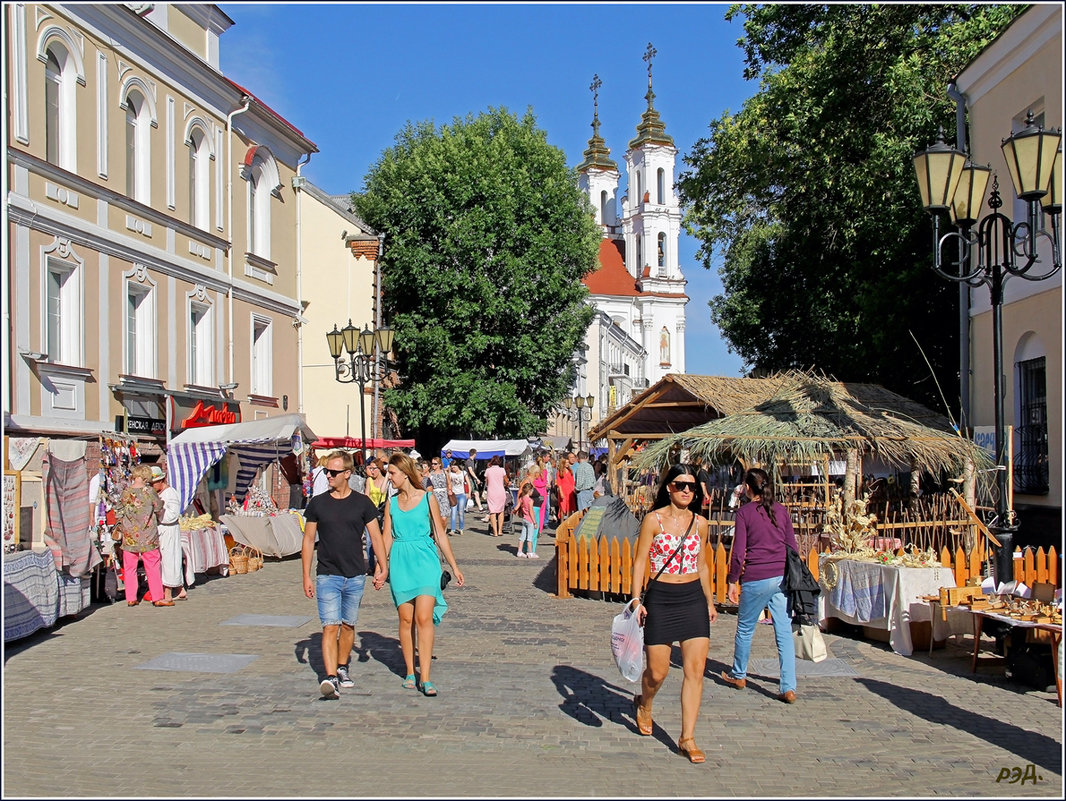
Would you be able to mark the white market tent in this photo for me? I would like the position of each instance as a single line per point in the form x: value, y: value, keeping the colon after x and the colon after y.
x: 487, y: 448
x: 192, y: 452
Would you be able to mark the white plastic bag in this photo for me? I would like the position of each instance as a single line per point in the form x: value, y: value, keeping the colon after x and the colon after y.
x: 627, y: 642
x: 808, y: 641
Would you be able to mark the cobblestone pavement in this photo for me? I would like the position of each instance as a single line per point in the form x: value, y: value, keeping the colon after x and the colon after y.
x: 530, y: 704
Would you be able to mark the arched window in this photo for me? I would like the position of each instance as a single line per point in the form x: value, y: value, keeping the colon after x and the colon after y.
x: 660, y: 185
x: 640, y: 191
x: 262, y: 175
x: 603, y: 207
x: 662, y: 251
x: 640, y: 255
x: 138, y: 142
x: 59, y: 112
x: 199, y: 178
x: 664, y: 347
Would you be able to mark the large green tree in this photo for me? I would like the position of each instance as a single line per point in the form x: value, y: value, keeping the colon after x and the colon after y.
x: 487, y: 240
x: 807, y: 197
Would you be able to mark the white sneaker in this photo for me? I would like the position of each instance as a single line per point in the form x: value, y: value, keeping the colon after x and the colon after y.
x: 330, y: 687
x: 532, y: 556
x: 343, y: 679
x: 520, y: 555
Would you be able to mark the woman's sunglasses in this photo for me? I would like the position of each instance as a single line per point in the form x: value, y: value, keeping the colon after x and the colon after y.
x: 683, y: 486
x: 335, y: 473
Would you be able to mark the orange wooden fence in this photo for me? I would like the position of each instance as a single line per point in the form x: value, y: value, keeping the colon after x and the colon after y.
x: 606, y: 564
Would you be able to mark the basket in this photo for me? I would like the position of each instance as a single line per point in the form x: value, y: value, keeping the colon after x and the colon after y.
x: 238, y: 559
x: 255, y: 559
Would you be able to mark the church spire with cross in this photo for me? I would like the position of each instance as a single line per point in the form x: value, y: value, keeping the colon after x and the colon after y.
x: 597, y: 154
x: 651, y: 128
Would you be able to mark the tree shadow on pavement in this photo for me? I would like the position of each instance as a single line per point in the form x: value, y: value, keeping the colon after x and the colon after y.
x: 589, y: 700
x: 1031, y: 747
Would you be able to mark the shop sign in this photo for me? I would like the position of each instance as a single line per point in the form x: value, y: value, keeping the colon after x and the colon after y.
x: 208, y: 416
x: 146, y: 425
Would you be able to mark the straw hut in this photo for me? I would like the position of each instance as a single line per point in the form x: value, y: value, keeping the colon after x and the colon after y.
x: 808, y: 419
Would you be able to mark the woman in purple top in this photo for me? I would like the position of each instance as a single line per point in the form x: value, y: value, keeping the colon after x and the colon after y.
x: 763, y: 532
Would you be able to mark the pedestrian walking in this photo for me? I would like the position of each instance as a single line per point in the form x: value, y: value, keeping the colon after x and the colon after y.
x: 457, y: 497
x: 339, y: 518
x: 524, y: 510
x: 678, y: 604
x: 496, y: 495
x: 761, y: 538
x: 169, y: 537
x: 412, y: 522
x: 438, y: 482
x: 564, y: 483
x: 473, y: 478
x: 584, y: 481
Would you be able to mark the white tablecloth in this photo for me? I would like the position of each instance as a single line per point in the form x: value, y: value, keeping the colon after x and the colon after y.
x: 883, y: 596
x: 204, y: 548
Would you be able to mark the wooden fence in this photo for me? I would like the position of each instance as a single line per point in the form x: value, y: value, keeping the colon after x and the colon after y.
x: 605, y: 565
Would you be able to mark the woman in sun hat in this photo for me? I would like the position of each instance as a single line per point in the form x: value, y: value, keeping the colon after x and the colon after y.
x: 169, y: 537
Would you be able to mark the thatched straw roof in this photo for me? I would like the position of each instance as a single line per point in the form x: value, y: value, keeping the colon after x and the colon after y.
x: 809, y: 417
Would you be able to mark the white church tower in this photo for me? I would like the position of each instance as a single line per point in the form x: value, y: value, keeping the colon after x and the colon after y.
x: 651, y: 226
x: 598, y: 174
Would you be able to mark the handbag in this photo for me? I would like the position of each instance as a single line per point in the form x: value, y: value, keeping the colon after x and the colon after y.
x: 445, y: 576
x: 808, y: 641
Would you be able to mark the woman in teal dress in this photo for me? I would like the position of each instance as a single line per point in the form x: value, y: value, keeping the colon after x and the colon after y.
x: 414, y: 571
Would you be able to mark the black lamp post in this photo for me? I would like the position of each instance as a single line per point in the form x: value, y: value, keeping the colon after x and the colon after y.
x: 368, y: 358
x: 950, y: 182
x: 581, y: 402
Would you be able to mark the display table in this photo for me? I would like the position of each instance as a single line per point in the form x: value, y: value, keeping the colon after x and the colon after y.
x: 1056, y: 642
x: 204, y: 548
x: 882, y: 597
x: 278, y: 535
x: 36, y: 594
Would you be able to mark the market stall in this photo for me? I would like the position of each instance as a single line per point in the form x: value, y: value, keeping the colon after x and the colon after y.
x: 487, y: 448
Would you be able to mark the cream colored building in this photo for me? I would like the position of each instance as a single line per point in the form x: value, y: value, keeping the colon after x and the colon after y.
x: 1021, y: 72
x: 339, y: 254
x: 152, y: 260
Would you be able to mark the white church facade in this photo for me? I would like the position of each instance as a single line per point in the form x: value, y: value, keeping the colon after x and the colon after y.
x: 638, y: 334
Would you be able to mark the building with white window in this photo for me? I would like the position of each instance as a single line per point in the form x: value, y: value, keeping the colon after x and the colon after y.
x: 152, y: 260
x: 1018, y: 73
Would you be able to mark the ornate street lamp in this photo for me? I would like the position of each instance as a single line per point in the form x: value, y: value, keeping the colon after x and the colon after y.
x: 997, y: 250
x: 368, y: 360
x: 581, y: 402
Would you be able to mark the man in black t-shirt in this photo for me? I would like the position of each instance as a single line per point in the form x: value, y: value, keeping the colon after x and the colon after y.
x: 339, y: 517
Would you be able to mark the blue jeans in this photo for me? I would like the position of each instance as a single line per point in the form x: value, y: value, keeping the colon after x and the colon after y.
x: 538, y: 523
x: 338, y: 599
x: 754, y: 597
x: 584, y: 499
x: 459, y: 512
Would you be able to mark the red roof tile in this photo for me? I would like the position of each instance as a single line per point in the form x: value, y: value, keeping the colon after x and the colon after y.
x: 612, y: 278
x: 268, y: 108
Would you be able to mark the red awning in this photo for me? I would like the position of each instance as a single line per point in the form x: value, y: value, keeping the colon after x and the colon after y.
x: 352, y: 443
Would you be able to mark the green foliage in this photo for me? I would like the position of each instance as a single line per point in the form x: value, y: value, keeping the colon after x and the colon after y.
x: 487, y: 238
x: 807, y: 196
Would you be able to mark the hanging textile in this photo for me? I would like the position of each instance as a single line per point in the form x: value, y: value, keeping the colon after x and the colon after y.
x: 67, y: 505
x: 254, y: 455
x: 186, y: 465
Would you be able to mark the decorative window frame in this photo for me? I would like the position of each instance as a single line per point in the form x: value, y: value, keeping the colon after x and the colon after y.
x: 146, y: 120
x: 61, y: 253
x: 200, y: 204
x: 262, y: 363
x: 139, y: 280
x: 205, y: 363
x: 71, y: 74
x: 260, y: 170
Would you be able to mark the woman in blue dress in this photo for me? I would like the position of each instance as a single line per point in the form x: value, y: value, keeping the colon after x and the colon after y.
x: 412, y: 516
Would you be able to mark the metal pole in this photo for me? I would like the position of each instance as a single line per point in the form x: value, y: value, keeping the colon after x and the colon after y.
x: 362, y: 408
x: 1003, y: 530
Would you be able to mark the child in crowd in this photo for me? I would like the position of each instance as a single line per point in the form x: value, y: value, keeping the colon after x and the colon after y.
x: 524, y: 511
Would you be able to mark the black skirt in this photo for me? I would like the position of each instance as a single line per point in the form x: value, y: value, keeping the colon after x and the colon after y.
x: 676, y: 612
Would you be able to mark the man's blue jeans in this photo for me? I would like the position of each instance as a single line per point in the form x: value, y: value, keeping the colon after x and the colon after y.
x: 754, y: 597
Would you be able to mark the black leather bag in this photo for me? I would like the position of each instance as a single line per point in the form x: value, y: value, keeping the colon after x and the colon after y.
x: 445, y: 577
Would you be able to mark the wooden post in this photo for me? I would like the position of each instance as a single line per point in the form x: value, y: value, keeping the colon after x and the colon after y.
x: 851, y: 478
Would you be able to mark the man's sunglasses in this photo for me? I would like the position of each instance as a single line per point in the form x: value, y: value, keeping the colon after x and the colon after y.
x: 335, y: 473
x: 683, y: 486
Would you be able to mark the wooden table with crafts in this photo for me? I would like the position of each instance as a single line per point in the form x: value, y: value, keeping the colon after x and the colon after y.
x: 884, y: 597
x: 1037, y: 623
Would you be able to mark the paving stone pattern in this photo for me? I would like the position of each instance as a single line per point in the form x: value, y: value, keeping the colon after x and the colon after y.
x: 530, y: 705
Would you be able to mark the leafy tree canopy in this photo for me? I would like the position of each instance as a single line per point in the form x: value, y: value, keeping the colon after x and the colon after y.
x: 487, y: 240
x: 808, y: 193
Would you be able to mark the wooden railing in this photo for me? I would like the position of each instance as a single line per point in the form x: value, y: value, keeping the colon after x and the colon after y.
x: 605, y: 564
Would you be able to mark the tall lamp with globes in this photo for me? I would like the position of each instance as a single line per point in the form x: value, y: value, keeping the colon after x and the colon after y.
x: 367, y: 361
x: 580, y: 403
x: 996, y: 250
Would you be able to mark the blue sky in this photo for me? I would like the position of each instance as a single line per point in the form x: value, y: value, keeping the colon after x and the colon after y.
x: 349, y: 76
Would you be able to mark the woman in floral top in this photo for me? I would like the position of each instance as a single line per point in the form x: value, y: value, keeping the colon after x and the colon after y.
x: 138, y: 514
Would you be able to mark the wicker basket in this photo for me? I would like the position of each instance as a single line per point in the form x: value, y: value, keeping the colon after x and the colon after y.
x: 255, y: 559
x: 238, y: 559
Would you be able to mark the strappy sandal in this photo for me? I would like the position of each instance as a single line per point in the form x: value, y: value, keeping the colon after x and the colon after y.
x: 428, y: 689
x: 694, y: 754
x: 644, y: 722
x: 409, y: 682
